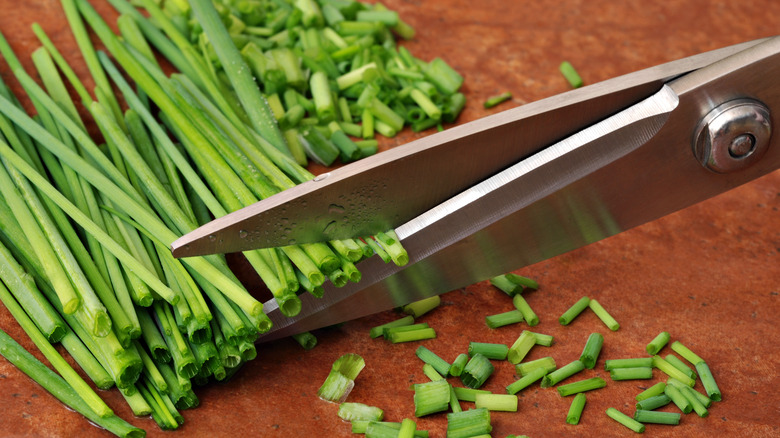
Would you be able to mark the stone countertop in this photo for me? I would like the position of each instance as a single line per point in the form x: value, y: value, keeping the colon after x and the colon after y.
x: 710, y: 274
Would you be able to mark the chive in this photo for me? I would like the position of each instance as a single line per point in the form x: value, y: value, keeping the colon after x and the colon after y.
x: 605, y: 317
x: 625, y: 420
x: 671, y: 371
x: 657, y: 343
x: 387, y: 331
x: 383, y: 429
x: 656, y: 417
x: 305, y: 340
x: 506, y: 285
x: 591, y: 351
x: 678, y: 398
x: 456, y: 369
x: 349, y: 411
x: 497, y: 402
x: 389, y: 18
x: 562, y: 373
x: 548, y: 363
x: 468, y: 394
x: 431, y: 397
x: 581, y: 386
x: 476, y: 371
x: 318, y: 147
x: 471, y: 423
x: 92, y: 400
x: 527, y: 379
x: 699, y: 397
x: 491, y: 351
x: 571, y: 75
x: 710, y: 386
x: 413, y: 335
x: 635, y: 373
x: 431, y: 358
x: 652, y: 391
x: 407, y: 429
x: 349, y: 150
x: 492, y: 101
x: 654, y: 402
x: 378, y: 331
x: 427, y: 105
x: 528, y: 313
x: 611, y: 364
x: 680, y: 365
x: 385, y: 114
x: 421, y: 307
x: 341, y: 378
x: 367, y: 147
x: 60, y: 389
x: 446, y: 79
x: 576, y: 408
x: 521, y: 346
x: 687, y: 354
x: 573, y: 311
x: 431, y: 372
x: 453, y: 105
x: 502, y: 319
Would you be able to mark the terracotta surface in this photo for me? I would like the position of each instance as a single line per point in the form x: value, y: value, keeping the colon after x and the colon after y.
x: 710, y: 275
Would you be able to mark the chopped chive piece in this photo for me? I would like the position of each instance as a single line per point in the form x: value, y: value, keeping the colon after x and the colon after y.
x: 491, y: 351
x: 471, y: 423
x: 431, y: 372
x: 571, y: 75
x: 528, y: 313
x: 636, y: 373
x: 548, y: 363
x: 671, y: 371
x: 657, y: 417
x: 625, y: 420
x: 637, y: 362
x: 492, y: 101
x: 687, y: 354
x: 379, y: 330
x: 431, y: 397
x: 383, y: 429
x: 440, y: 365
x: 421, y: 307
x: 652, y: 391
x: 603, y: 315
x: 476, y: 371
x: 522, y: 281
x: 591, y: 351
x: 701, y: 398
x: 446, y: 79
x: 521, y: 347
x: 306, y: 340
x: 654, y: 402
x: 456, y: 369
x: 387, y: 331
x: 658, y: 343
x: 562, y: 373
x: 710, y: 386
x: 412, y: 335
x: 543, y: 340
x: 496, y: 402
x: 577, y: 308
x: 341, y: 378
x: 502, y: 319
x: 576, y: 408
x: 349, y: 411
x: 678, y: 398
x: 581, y: 386
x: 506, y: 285
x: 468, y: 394
x: 680, y: 365
x: 525, y: 381
x: 407, y: 429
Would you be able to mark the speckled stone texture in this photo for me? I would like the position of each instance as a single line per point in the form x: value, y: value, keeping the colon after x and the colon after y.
x: 710, y: 275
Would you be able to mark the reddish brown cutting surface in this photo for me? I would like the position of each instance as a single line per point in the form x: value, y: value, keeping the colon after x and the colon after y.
x: 710, y: 275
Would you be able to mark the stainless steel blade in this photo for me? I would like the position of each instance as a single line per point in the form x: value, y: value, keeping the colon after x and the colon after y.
x: 381, y: 192
x: 454, y: 245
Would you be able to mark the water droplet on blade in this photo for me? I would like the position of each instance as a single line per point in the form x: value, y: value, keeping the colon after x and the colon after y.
x: 329, y: 228
x: 335, y: 209
x: 212, y: 237
x: 242, y: 234
x: 321, y: 177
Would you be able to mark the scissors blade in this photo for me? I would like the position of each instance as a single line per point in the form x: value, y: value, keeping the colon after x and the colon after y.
x: 384, y: 191
x: 631, y: 168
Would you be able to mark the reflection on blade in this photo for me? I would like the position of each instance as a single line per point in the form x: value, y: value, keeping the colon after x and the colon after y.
x: 472, y: 224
